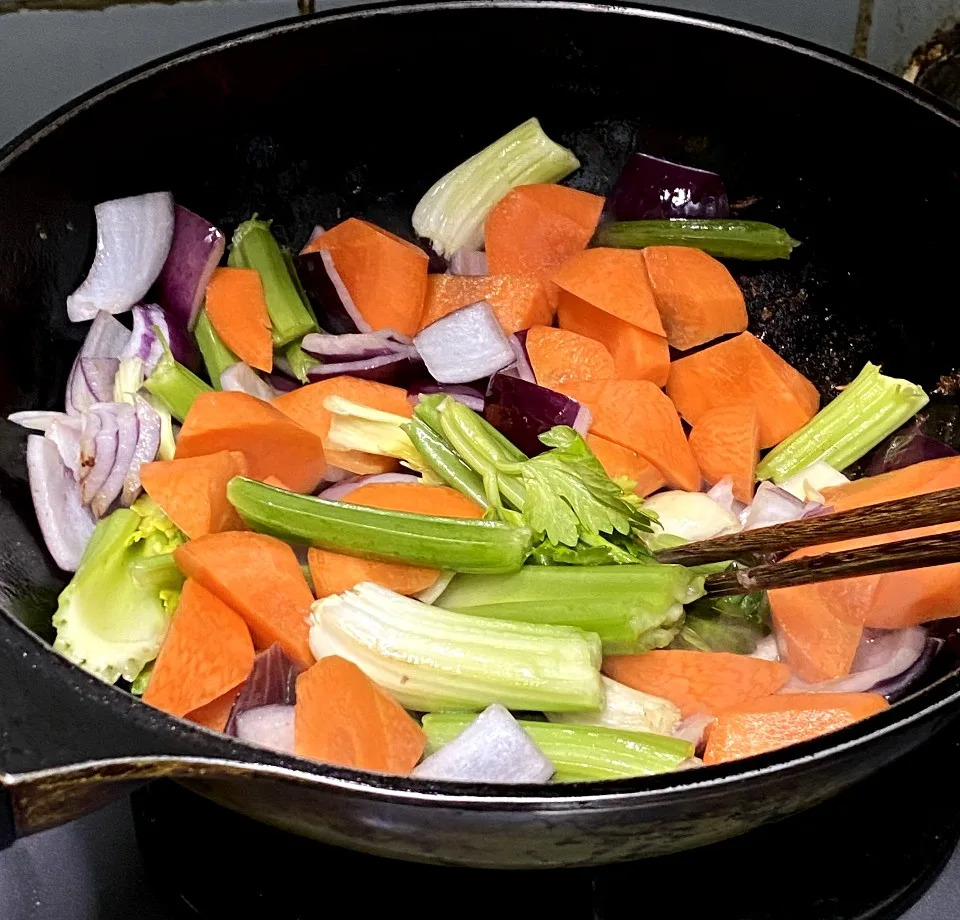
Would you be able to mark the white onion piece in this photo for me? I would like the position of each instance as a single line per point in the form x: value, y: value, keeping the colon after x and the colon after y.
x: 882, y: 654
x: 467, y: 262
x: 583, y: 421
x: 66, y: 435
x: 465, y: 345
x: 340, y: 491
x: 626, y: 709
x: 767, y: 649
x: 106, y: 338
x: 36, y: 420
x: 269, y: 726
x: 722, y: 493
x: 356, y: 346
x: 128, y: 431
x: 493, y: 748
x: 133, y: 238
x: 98, y: 450
x: 693, y: 516
x: 241, y: 378
x: 772, y: 505
x: 431, y: 594
x: 66, y: 524
x: 521, y: 367
x: 148, y: 444
x: 693, y: 729
x: 812, y: 480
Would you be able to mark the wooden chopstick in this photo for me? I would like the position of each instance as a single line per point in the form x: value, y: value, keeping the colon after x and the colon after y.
x: 920, y: 552
x: 887, y: 517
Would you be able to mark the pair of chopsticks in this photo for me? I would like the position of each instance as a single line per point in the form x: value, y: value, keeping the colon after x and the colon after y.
x: 888, y: 517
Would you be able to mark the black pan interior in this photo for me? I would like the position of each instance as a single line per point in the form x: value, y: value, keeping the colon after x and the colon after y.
x: 358, y: 116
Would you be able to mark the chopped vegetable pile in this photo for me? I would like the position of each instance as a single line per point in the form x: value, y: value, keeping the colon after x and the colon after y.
x: 340, y: 506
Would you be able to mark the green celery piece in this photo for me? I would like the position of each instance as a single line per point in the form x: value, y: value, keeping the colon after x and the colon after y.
x: 139, y: 684
x: 724, y: 238
x: 253, y: 246
x: 300, y: 362
x: 620, y: 603
x: 174, y: 386
x: 579, y: 752
x: 857, y: 420
x: 159, y: 573
x: 430, y: 659
x: 216, y: 356
x: 298, y: 284
x: 444, y: 462
x: 482, y: 547
x: 453, y: 211
x: 626, y: 709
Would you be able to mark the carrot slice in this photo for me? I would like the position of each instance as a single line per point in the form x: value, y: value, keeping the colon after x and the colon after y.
x: 335, y: 572
x: 621, y: 461
x: 534, y: 229
x: 518, y: 301
x: 305, y: 406
x: 216, y: 714
x: 744, y: 370
x: 259, y: 577
x: 726, y: 442
x: 385, y: 275
x: 271, y: 443
x: 782, y: 719
x: 615, y: 281
x: 342, y: 717
x: 637, y: 353
x: 698, y: 682
x: 207, y: 652
x: 237, y: 310
x: 635, y: 414
x: 559, y: 355
x: 697, y: 297
x: 193, y: 492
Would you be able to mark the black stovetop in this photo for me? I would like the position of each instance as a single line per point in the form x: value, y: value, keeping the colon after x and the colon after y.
x: 886, y: 850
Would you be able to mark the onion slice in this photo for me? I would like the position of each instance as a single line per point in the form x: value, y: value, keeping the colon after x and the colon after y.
x: 471, y: 397
x: 127, y: 436
x: 773, y: 505
x: 522, y: 367
x: 651, y: 188
x: 106, y: 338
x: 335, y: 309
x: 147, y: 446
x: 491, y: 749
x: 465, y: 345
x: 66, y: 524
x: 133, y: 239
x: 387, y: 367
x: 340, y: 491
x: 272, y: 681
x: 269, y: 726
x: 467, y: 262
x: 241, y: 378
x: 356, y: 346
x: 36, y: 420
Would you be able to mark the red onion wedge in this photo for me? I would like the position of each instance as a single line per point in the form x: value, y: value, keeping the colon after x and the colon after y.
x: 521, y: 367
x: 467, y: 262
x: 268, y: 726
x: 106, y: 338
x: 147, y: 446
x: 905, y: 447
x: 195, y: 251
x: 523, y: 411
x: 895, y: 688
x: 133, y: 240
x: 107, y: 446
x: 772, y: 505
x: 36, y: 420
x: 335, y: 309
x: 651, y: 188
x: 65, y: 522
x: 242, y: 378
x: 315, y: 234
x: 491, y: 749
x: 357, y: 346
x: 341, y: 490
x: 465, y: 345
x: 722, y: 494
x: 388, y: 368
x: 92, y: 382
x: 272, y: 681
x: 471, y: 397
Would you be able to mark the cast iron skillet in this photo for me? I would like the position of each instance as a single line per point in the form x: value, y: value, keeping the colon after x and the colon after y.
x: 357, y: 113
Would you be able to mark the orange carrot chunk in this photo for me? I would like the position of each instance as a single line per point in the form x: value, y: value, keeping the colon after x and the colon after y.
x: 342, y: 717
x: 335, y: 572
x: 518, y: 301
x: 698, y: 682
x: 271, y: 443
x: 305, y: 406
x: 744, y: 370
x: 237, y: 310
x: 697, y: 297
x: 635, y: 414
x: 193, y: 492
x: 207, y: 652
x: 558, y: 356
x: 726, y: 442
x: 534, y: 229
x: 216, y: 714
x: 782, y: 719
x: 385, y: 275
x: 620, y: 461
x: 259, y: 577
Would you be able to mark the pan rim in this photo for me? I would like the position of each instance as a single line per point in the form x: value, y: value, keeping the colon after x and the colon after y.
x: 927, y: 702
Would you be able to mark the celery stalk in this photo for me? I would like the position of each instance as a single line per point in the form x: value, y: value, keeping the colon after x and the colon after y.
x: 444, y: 462
x: 253, y: 246
x: 452, y: 213
x: 726, y: 239
x: 300, y: 362
x: 579, y: 752
x: 174, y: 386
x: 482, y: 547
x: 216, y: 356
x: 628, y: 606
x: 431, y: 659
x: 865, y: 412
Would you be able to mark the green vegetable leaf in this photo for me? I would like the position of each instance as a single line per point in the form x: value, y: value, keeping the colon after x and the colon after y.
x: 725, y: 624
